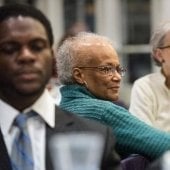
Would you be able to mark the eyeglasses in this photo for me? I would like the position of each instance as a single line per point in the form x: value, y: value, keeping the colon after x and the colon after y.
x: 107, y: 70
x: 163, y: 47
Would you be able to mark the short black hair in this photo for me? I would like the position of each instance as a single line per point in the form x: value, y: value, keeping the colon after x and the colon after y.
x: 13, y: 10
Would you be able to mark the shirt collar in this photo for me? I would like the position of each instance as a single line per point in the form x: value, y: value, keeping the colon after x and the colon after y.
x: 162, y: 75
x: 7, y: 114
x: 44, y: 106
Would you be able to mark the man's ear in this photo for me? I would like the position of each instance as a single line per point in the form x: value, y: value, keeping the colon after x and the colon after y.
x: 158, y: 55
x: 78, y: 75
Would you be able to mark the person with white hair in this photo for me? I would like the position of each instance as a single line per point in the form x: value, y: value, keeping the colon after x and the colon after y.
x: 150, y: 94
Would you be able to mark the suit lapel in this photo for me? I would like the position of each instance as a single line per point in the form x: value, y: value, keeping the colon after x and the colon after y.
x: 63, y: 123
x: 4, y: 157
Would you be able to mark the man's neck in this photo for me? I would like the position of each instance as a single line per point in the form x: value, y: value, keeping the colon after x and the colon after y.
x: 20, y: 102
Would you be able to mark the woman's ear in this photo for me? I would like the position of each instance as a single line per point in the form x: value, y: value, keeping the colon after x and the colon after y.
x: 78, y: 75
x: 158, y: 55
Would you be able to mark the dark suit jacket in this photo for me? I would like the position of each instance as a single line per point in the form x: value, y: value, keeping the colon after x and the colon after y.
x: 68, y: 122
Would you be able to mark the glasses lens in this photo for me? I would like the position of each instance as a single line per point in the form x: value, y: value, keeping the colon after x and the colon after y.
x: 122, y: 71
x: 111, y: 70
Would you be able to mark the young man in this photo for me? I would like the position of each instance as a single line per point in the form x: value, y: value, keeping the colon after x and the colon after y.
x: 26, y: 65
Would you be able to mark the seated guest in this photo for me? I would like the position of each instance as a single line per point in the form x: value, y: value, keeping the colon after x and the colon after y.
x: 150, y: 94
x: 89, y: 68
x: 54, y: 84
x: 28, y: 116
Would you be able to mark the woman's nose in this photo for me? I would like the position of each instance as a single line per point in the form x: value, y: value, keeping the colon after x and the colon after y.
x: 117, y: 76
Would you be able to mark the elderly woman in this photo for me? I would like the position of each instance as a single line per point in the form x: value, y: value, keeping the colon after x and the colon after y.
x: 89, y: 68
x: 151, y: 94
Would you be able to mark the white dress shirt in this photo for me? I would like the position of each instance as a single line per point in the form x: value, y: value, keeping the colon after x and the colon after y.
x: 55, y: 93
x: 45, y: 107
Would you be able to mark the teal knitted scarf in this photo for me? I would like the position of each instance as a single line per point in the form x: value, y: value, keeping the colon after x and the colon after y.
x: 133, y: 136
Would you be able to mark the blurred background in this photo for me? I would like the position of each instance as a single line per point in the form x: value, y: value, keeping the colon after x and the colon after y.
x: 129, y: 23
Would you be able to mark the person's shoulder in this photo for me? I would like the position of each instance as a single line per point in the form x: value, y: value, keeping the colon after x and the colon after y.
x: 147, y: 80
x: 85, y: 124
x: 146, y: 77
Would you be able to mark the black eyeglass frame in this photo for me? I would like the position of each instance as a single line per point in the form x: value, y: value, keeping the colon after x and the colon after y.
x: 105, y: 69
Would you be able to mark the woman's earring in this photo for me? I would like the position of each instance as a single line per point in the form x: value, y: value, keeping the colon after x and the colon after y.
x: 85, y: 84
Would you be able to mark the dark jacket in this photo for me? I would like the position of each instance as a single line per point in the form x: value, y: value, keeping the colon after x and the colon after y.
x: 66, y: 123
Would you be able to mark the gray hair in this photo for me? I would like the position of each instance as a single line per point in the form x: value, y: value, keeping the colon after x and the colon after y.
x: 68, y: 54
x: 157, y: 38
